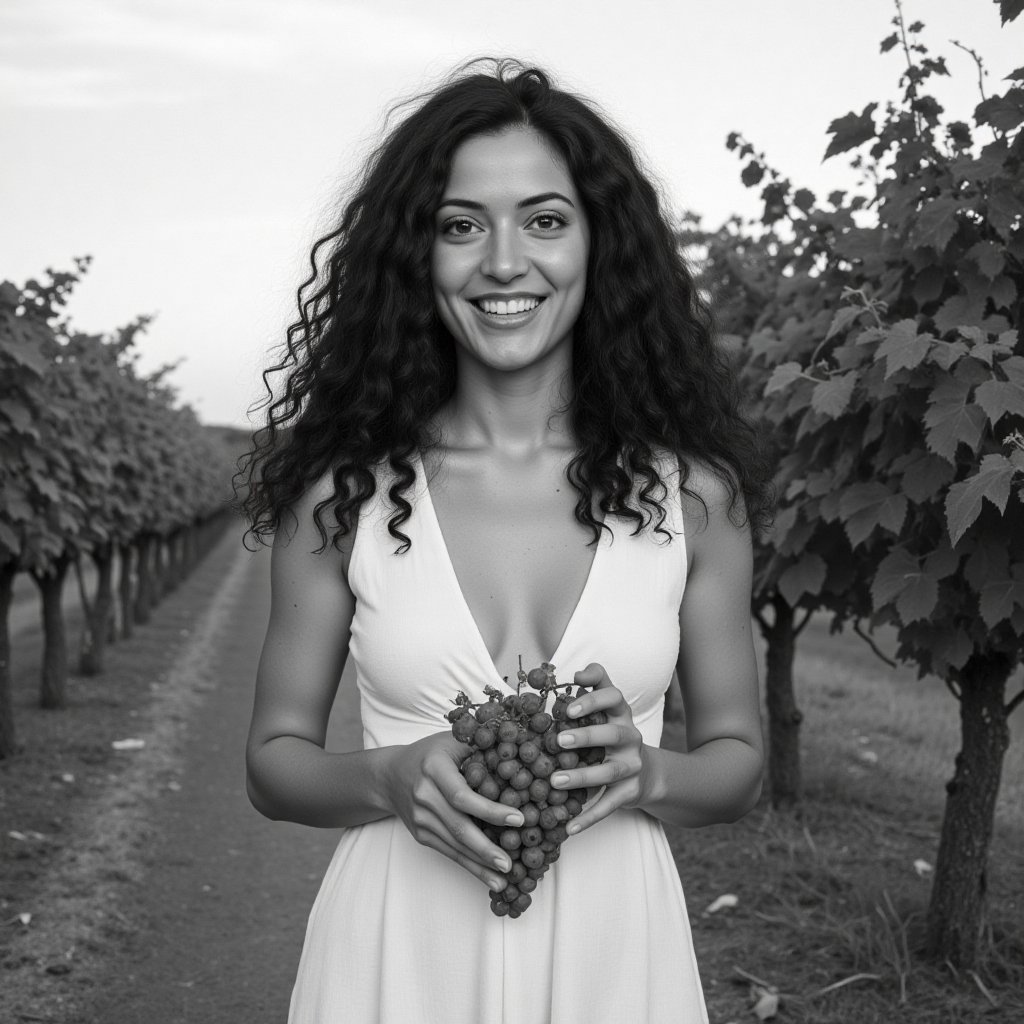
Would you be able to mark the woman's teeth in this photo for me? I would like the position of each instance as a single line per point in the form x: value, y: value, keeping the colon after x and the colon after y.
x: 502, y: 308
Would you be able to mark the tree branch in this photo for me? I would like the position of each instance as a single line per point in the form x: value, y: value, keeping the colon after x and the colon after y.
x: 1014, y: 703
x: 799, y: 627
x: 871, y: 643
x: 952, y: 687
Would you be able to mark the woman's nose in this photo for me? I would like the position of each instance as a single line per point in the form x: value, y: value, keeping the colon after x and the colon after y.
x: 505, y: 258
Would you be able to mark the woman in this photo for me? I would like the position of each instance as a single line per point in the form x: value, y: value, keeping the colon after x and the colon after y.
x: 504, y: 432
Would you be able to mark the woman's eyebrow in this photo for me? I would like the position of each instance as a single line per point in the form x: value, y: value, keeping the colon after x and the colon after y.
x: 544, y: 197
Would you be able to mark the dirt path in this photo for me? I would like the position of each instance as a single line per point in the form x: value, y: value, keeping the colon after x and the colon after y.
x: 214, y: 910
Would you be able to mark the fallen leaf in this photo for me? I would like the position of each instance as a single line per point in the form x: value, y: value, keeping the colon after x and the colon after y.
x: 923, y: 868
x: 174, y: 787
x: 767, y: 1004
x: 20, y: 836
x: 130, y: 744
x: 868, y: 757
x: 724, y: 902
x: 67, y: 777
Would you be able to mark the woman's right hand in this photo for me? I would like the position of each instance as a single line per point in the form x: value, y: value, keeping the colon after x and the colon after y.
x: 427, y: 792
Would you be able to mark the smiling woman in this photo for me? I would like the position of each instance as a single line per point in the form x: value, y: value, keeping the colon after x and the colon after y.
x: 502, y: 363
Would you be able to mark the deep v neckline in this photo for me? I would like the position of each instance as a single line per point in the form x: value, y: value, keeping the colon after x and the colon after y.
x: 474, y: 627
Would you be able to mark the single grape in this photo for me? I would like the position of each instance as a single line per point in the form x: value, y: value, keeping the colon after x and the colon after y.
x: 532, y: 836
x: 593, y: 755
x: 484, y: 738
x: 537, y: 678
x: 510, y: 893
x: 530, y: 811
x: 537, y: 873
x: 531, y: 703
x: 489, y: 789
x: 501, y: 908
x: 552, y: 855
x: 507, y: 769
x: 517, y: 872
x: 550, y: 743
x: 522, y: 902
x: 507, y: 732
x: 548, y: 820
x: 510, y: 839
x: 556, y: 835
x: 543, y: 766
x: 560, y: 812
x: 567, y: 759
x: 464, y: 729
x: 514, y: 913
x: 509, y: 797
x: 533, y: 857
x: 491, y: 758
x: 528, y: 752
x: 573, y: 806
x: 488, y: 712
x: 557, y: 796
x: 558, y: 708
x: 477, y: 757
x: 541, y: 721
x: 456, y: 713
x: 539, y: 789
x: 527, y: 884
x: 522, y: 778
x: 475, y: 774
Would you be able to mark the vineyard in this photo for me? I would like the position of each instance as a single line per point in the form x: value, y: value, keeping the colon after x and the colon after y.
x: 879, y: 337
x: 97, y: 465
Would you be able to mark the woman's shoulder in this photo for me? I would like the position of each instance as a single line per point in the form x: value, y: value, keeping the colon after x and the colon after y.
x: 707, y: 494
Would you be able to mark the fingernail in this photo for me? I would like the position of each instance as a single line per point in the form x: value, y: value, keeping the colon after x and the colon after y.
x: 559, y: 780
x: 572, y: 829
x: 574, y: 710
x: 496, y: 884
x: 501, y: 864
x: 566, y: 739
x: 514, y: 820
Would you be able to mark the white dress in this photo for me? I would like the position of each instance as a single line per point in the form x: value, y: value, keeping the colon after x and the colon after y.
x: 399, y: 934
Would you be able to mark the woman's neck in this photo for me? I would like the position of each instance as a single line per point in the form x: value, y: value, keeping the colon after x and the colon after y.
x: 516, y: 415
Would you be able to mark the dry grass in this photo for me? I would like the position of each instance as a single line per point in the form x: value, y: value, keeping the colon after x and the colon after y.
x: 831, y: 907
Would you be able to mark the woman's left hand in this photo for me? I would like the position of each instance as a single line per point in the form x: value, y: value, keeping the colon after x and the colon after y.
x: 621, y: 772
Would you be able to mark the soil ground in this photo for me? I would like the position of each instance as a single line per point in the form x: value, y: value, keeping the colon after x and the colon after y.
x: 157, y: 894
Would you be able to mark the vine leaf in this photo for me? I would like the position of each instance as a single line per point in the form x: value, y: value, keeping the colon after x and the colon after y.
x: 804, y: 577
x: 832, y: 396
x: 901, y: 581
x: 865, y: 506
x: 851, y: 131
x: 782, y: 376
x: 964, y: 500
x: 951, y: 421
x: 936, y: 223
x: 1001, y: 397
x: 903, y: 348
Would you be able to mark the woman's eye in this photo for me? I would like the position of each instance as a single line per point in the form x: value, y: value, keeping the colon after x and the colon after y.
x: 549, y: 221
x: 459, y: 226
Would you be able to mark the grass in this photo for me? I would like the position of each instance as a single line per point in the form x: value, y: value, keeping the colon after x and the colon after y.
x: 830, y: 906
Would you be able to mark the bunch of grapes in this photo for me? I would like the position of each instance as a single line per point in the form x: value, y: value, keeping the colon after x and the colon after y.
x: 515, y: 752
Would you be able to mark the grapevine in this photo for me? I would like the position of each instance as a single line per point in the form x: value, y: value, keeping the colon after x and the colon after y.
x: 515, y: 751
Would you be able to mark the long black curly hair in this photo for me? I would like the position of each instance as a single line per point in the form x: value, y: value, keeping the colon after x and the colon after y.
x: 368, y: 362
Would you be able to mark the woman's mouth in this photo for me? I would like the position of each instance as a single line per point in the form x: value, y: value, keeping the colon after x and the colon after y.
x: 507, y: 307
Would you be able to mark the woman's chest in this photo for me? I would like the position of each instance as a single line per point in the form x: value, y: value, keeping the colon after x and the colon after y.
x: 520, y: 558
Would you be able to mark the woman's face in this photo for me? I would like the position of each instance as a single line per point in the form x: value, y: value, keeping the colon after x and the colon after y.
x: 509, y: 260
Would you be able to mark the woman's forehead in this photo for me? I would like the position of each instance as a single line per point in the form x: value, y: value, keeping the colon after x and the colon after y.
x: 515, y: 163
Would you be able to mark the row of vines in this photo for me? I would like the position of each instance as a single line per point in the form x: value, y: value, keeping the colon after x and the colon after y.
x: 98, y: 464
x: 880, y: 335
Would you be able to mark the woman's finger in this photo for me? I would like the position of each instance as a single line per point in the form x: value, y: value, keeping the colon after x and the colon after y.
x: 612, y: 734
x: 614, y: 797
x: 494, y: 880
x: 459, y: 834
x: 594, y: 776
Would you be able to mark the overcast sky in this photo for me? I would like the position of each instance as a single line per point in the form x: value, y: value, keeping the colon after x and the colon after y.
x: 195, y: 148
